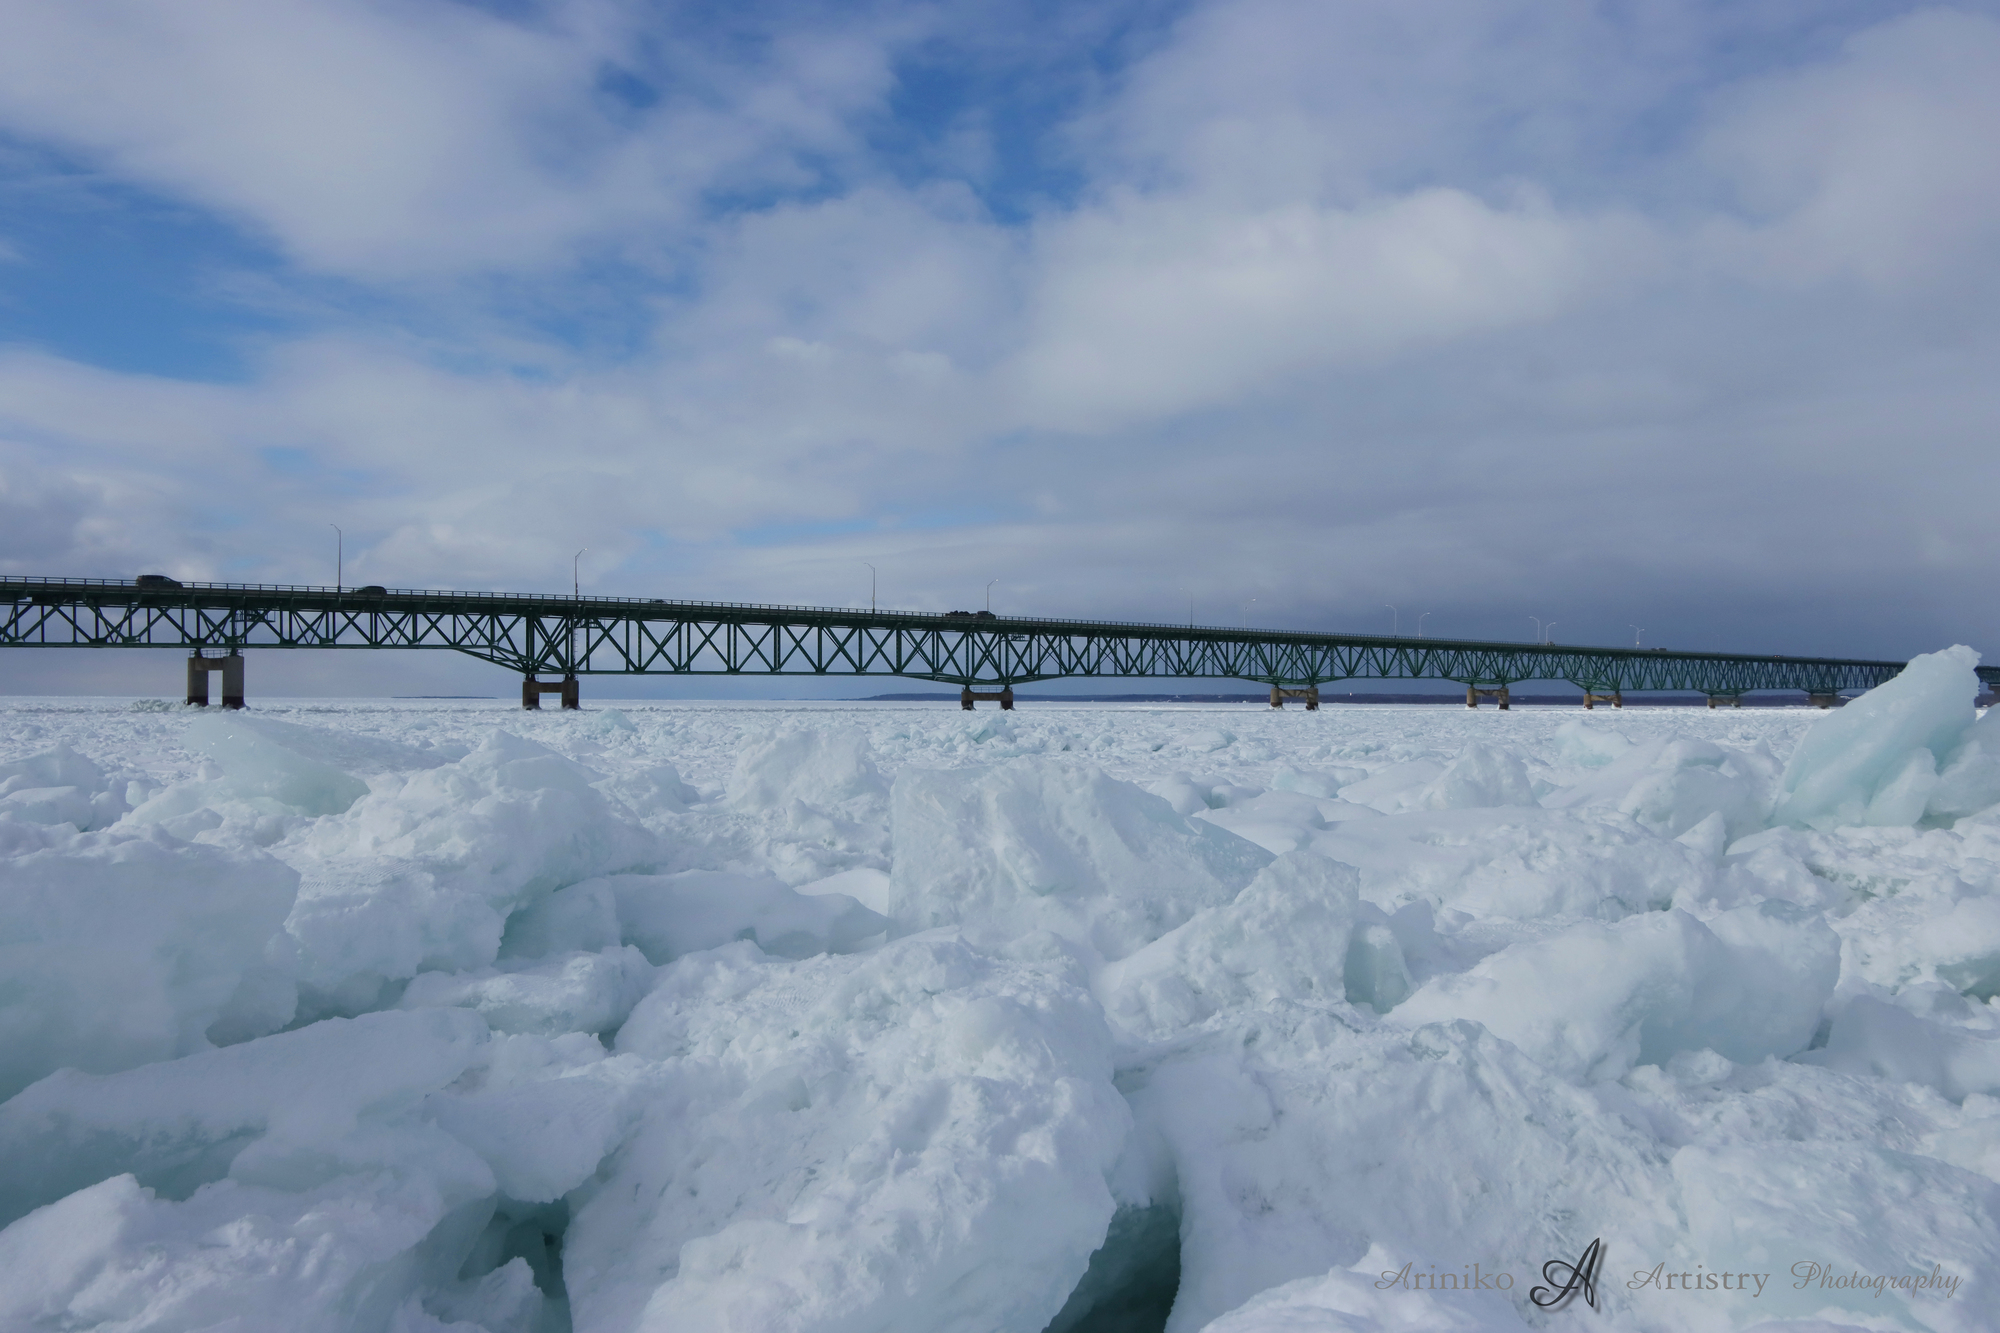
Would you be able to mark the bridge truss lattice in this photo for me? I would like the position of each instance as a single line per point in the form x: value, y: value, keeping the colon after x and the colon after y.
x: 574, y: 636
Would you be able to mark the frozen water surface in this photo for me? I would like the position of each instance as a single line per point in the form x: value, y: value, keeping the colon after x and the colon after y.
x: 442, y: 1015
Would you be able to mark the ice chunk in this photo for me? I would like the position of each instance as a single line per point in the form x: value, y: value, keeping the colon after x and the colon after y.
x: 1592, y: 1000
x: 1772, y: 865
x: 1277, y: 821
x: 1885, y: 1041
x: 1579, y: 743
x: 1360, y: 1302
x: 1394, y: 786
x: 866, y: 885
x: 913, y: 1138
x: 1969, y: 777
x: 1376, y: 971
x: 1517, y: 864
x: 60, y: 766
x: 122, y: 947
x: 1872, y: 748
x: 346, y: 750
x: 256, y: 765
x: 355, y: 1253
x: 1284, y: 937
x: 818, y: 799
x: 1673, y: 784
x: 505, y: 1300
x: 423, y: 875
x: 1291, y: 1142
x: 1825, y: 1210
x: 544, y: 1114
x: 59, y: 786
x: 1183, y: 793
x: 1901, y: 800
x: 290, y: 1111
x: 1324, y: 783
x: 671, y: 915
x: 821, y: 768
x: 1482, y: 776
x: 652, y: 789
x: 54, y: 805
x: 1708, y: 837
x: 1040, y: 844
x: 583, y: 992
x: 581, y: 918
x: 1229, y: 795
x: 1961, y: 946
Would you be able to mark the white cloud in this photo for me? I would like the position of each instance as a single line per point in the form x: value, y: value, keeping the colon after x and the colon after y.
x: 400, y: 138
x: 1151, y: 307
x: 1878, y: 164
x: 1353, y: 304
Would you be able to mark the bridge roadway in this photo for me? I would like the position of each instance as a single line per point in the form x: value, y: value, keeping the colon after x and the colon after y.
x: 540, y: 635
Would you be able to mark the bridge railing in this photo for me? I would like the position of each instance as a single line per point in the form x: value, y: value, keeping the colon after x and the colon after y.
x: 567, y: 599
x: 571, y: 603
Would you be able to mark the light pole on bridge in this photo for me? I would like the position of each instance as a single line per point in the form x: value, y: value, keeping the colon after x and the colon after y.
x: 871, y: 586
x: 1420, y: 624
x: 339, y: 555
x: 576, y: 595
x: 1395, y: 622
x: 1636, y: 632
x: 989, y: 593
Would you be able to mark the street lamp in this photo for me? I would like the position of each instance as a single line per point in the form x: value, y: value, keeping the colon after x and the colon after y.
x: 576, y: 594
x: 1246, y: 613
x: 339, y: 555
x: 871, y: 585
x: 1538, y: 627
x: 1420, y: 624
x: 1549, y: 632
x: 989, y: 593
x: 1190, y: 593
x: 1636, y: 632
x: 1395, y: 622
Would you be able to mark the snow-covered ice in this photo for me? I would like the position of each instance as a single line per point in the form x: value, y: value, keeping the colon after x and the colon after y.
x: 839, y: 1018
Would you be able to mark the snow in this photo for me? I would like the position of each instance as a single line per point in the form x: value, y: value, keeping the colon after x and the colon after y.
x: 429, y: 1015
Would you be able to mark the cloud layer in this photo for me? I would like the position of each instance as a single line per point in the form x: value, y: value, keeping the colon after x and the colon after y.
x: 1622, y: 315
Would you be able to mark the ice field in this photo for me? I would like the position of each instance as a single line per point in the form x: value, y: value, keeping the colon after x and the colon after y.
x: 838, y: 1018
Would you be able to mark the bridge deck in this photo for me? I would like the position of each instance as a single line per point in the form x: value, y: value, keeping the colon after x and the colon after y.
x: 538, y: 634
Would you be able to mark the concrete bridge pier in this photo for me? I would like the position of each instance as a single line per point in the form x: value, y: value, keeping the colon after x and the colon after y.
x: 568, y: 687
x: 231, y: 668
x: 1310, y: 694
x: 1474, y: 693
x: 1004, y: 696
x: 1592, y: 698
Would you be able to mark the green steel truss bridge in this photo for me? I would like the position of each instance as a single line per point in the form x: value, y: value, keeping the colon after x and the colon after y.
x: 568, y: 637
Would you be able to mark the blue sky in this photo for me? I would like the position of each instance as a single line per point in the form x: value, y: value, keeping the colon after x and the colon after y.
x: 1661, y: 314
